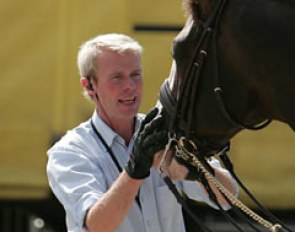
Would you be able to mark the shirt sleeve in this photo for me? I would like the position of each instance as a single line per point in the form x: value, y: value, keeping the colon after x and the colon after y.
x: 75, y: 178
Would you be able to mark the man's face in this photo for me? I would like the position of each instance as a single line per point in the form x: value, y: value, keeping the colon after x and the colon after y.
x: 119, y: 84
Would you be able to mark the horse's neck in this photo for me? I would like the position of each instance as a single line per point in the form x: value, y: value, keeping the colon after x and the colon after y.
x: 261, y: 41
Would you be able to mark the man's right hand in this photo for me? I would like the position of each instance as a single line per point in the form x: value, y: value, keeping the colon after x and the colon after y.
x: 152, y: 137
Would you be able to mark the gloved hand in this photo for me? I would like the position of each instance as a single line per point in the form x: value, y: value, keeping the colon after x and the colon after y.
x: 152, y: 137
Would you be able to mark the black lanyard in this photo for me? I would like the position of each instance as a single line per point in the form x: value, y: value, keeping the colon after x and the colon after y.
x: 111, y: 154
x: 107, y: 147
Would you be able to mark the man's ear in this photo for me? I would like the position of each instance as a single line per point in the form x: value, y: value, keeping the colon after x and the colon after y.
x: 85, y: 82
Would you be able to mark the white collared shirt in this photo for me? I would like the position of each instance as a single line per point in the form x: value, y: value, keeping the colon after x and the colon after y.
x: 80, y: 171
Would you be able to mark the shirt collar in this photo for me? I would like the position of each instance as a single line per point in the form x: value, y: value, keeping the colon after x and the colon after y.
x: 106, y: 132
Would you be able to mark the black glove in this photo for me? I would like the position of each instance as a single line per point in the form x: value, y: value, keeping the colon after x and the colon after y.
x: 152, y: 137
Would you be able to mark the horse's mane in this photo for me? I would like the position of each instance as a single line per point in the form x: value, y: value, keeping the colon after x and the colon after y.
x: 191, y: 8
x: 200, y: 9
x: 188, y: 7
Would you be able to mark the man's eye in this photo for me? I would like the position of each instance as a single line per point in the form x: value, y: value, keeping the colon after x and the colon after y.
x: 116, y: 77
x: 136, y: 75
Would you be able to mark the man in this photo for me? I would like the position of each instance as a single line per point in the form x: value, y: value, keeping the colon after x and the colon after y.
x: 90, y: 170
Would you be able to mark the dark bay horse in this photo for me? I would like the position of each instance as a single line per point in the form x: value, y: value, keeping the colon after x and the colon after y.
x: 233, y: 69
x: 243, y: 68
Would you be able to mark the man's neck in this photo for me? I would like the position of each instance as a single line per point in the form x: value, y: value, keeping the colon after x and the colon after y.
x: 123, y: 127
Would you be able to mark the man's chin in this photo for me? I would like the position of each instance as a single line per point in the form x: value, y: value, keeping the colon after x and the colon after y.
x: 129, y: 110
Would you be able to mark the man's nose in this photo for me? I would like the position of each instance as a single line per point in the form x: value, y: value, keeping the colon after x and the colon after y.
x: 130, y: 83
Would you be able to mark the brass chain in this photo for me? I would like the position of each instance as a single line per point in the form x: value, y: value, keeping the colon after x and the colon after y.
x: 188, y: 156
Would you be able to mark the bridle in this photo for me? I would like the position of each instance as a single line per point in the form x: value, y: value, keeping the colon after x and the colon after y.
x: 180, y: 109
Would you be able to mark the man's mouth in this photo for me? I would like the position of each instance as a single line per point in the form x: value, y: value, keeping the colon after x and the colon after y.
x: 128, y: 100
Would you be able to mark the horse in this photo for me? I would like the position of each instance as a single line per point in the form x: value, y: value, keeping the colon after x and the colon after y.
x: 233, y: 69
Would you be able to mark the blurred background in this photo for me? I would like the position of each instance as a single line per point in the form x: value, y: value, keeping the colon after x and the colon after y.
x: 40, y: 98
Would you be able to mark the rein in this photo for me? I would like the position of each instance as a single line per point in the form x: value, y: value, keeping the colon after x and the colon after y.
x: 181, y: 111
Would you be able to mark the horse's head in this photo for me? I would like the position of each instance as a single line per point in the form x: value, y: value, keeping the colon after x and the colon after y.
x: 233, y: 68
x: 210, y: 96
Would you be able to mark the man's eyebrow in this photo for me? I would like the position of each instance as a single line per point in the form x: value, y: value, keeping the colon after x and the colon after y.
x: 112, y: 74
x: 115, y: 73
x: 137, y: 70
